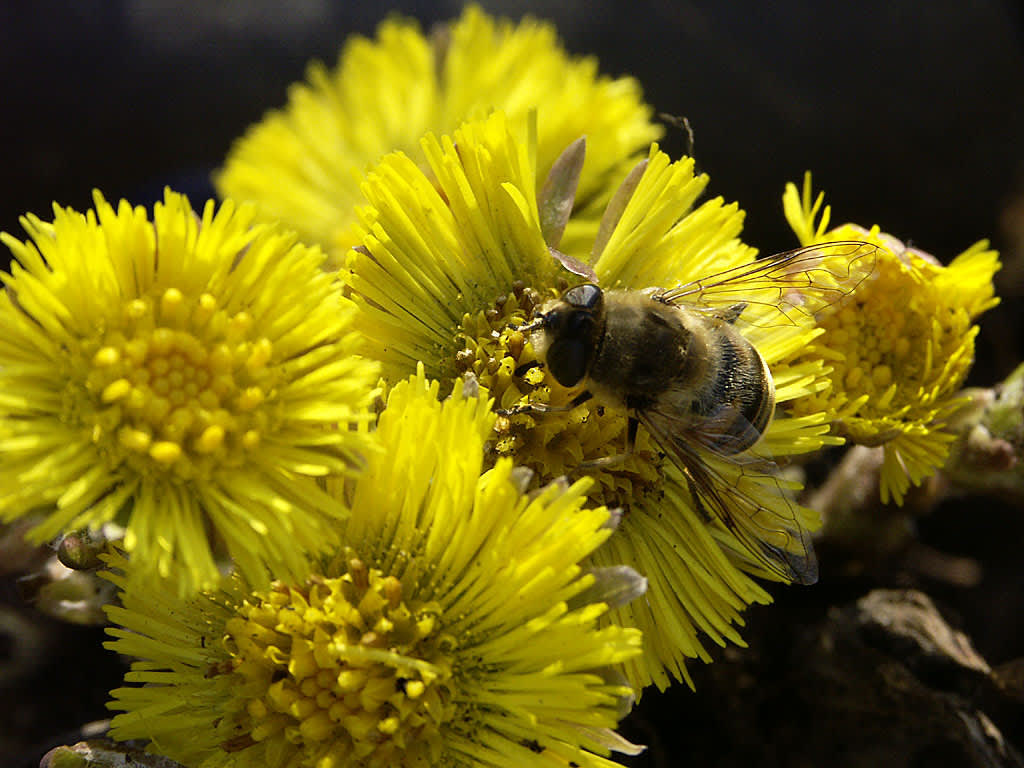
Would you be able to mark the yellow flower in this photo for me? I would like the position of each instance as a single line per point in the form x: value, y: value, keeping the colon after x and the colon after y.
x: 454, y: 258
x: 900, y: 347
x: 303, y: 164
x: 455, y: 626
x: 184, y: 378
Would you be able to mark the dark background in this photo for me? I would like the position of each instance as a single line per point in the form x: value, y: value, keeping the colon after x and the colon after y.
x: 910, y: 115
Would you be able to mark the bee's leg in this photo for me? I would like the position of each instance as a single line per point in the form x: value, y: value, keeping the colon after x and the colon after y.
x: 632, y: 424
x: 582, y: 397
x: 532, y: 325
x: 732, y: 314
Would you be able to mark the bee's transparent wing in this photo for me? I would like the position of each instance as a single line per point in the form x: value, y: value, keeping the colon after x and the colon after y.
x: 787, y: 288
x: 765, y: 524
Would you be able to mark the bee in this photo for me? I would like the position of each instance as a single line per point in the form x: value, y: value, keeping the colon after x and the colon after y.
x: 677, y: 362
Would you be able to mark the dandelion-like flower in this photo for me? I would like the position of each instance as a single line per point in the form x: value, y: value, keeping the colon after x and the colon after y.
x: 303, y: 164
x: 187, y: 378
x: 455, y: 258
x: 454, y: 627
x: 900, y: 347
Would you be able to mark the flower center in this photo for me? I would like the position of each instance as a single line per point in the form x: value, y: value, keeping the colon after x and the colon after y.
x: 554, y: 443
x: 893, y: 348
x: 345, y: 670
x: 177, y: 385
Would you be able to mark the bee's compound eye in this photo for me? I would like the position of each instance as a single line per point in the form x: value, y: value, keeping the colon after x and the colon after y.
x: 568, y: 359
x: 580, y: 325
x: 587, y: 296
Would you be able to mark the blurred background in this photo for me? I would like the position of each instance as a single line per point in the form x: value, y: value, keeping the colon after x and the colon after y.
x: 910, y: 115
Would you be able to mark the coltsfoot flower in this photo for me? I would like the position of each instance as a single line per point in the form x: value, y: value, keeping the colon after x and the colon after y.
x: 454, y: 627
x: 187, y: 378
x: 454, y: 259
x: 900, y: 347
x: 302, y: 165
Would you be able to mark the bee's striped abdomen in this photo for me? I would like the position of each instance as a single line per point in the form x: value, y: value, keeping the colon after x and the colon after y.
x: 738, y: 399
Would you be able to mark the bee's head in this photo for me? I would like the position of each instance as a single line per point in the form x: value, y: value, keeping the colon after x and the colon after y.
x: 566, y: 330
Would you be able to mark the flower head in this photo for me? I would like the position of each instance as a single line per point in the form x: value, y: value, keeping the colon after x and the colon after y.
x: 303, y: 164
x: 900, y: 347
x: 454, y: 259
x: 187, y: 378
x: 454, y: 627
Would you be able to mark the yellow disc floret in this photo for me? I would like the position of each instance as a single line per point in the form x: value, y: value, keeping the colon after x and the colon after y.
x: 186, y: 377
x: 346, y: 666
x: 455, y: 626
x: 899, y: 347
x: 179, y: 383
